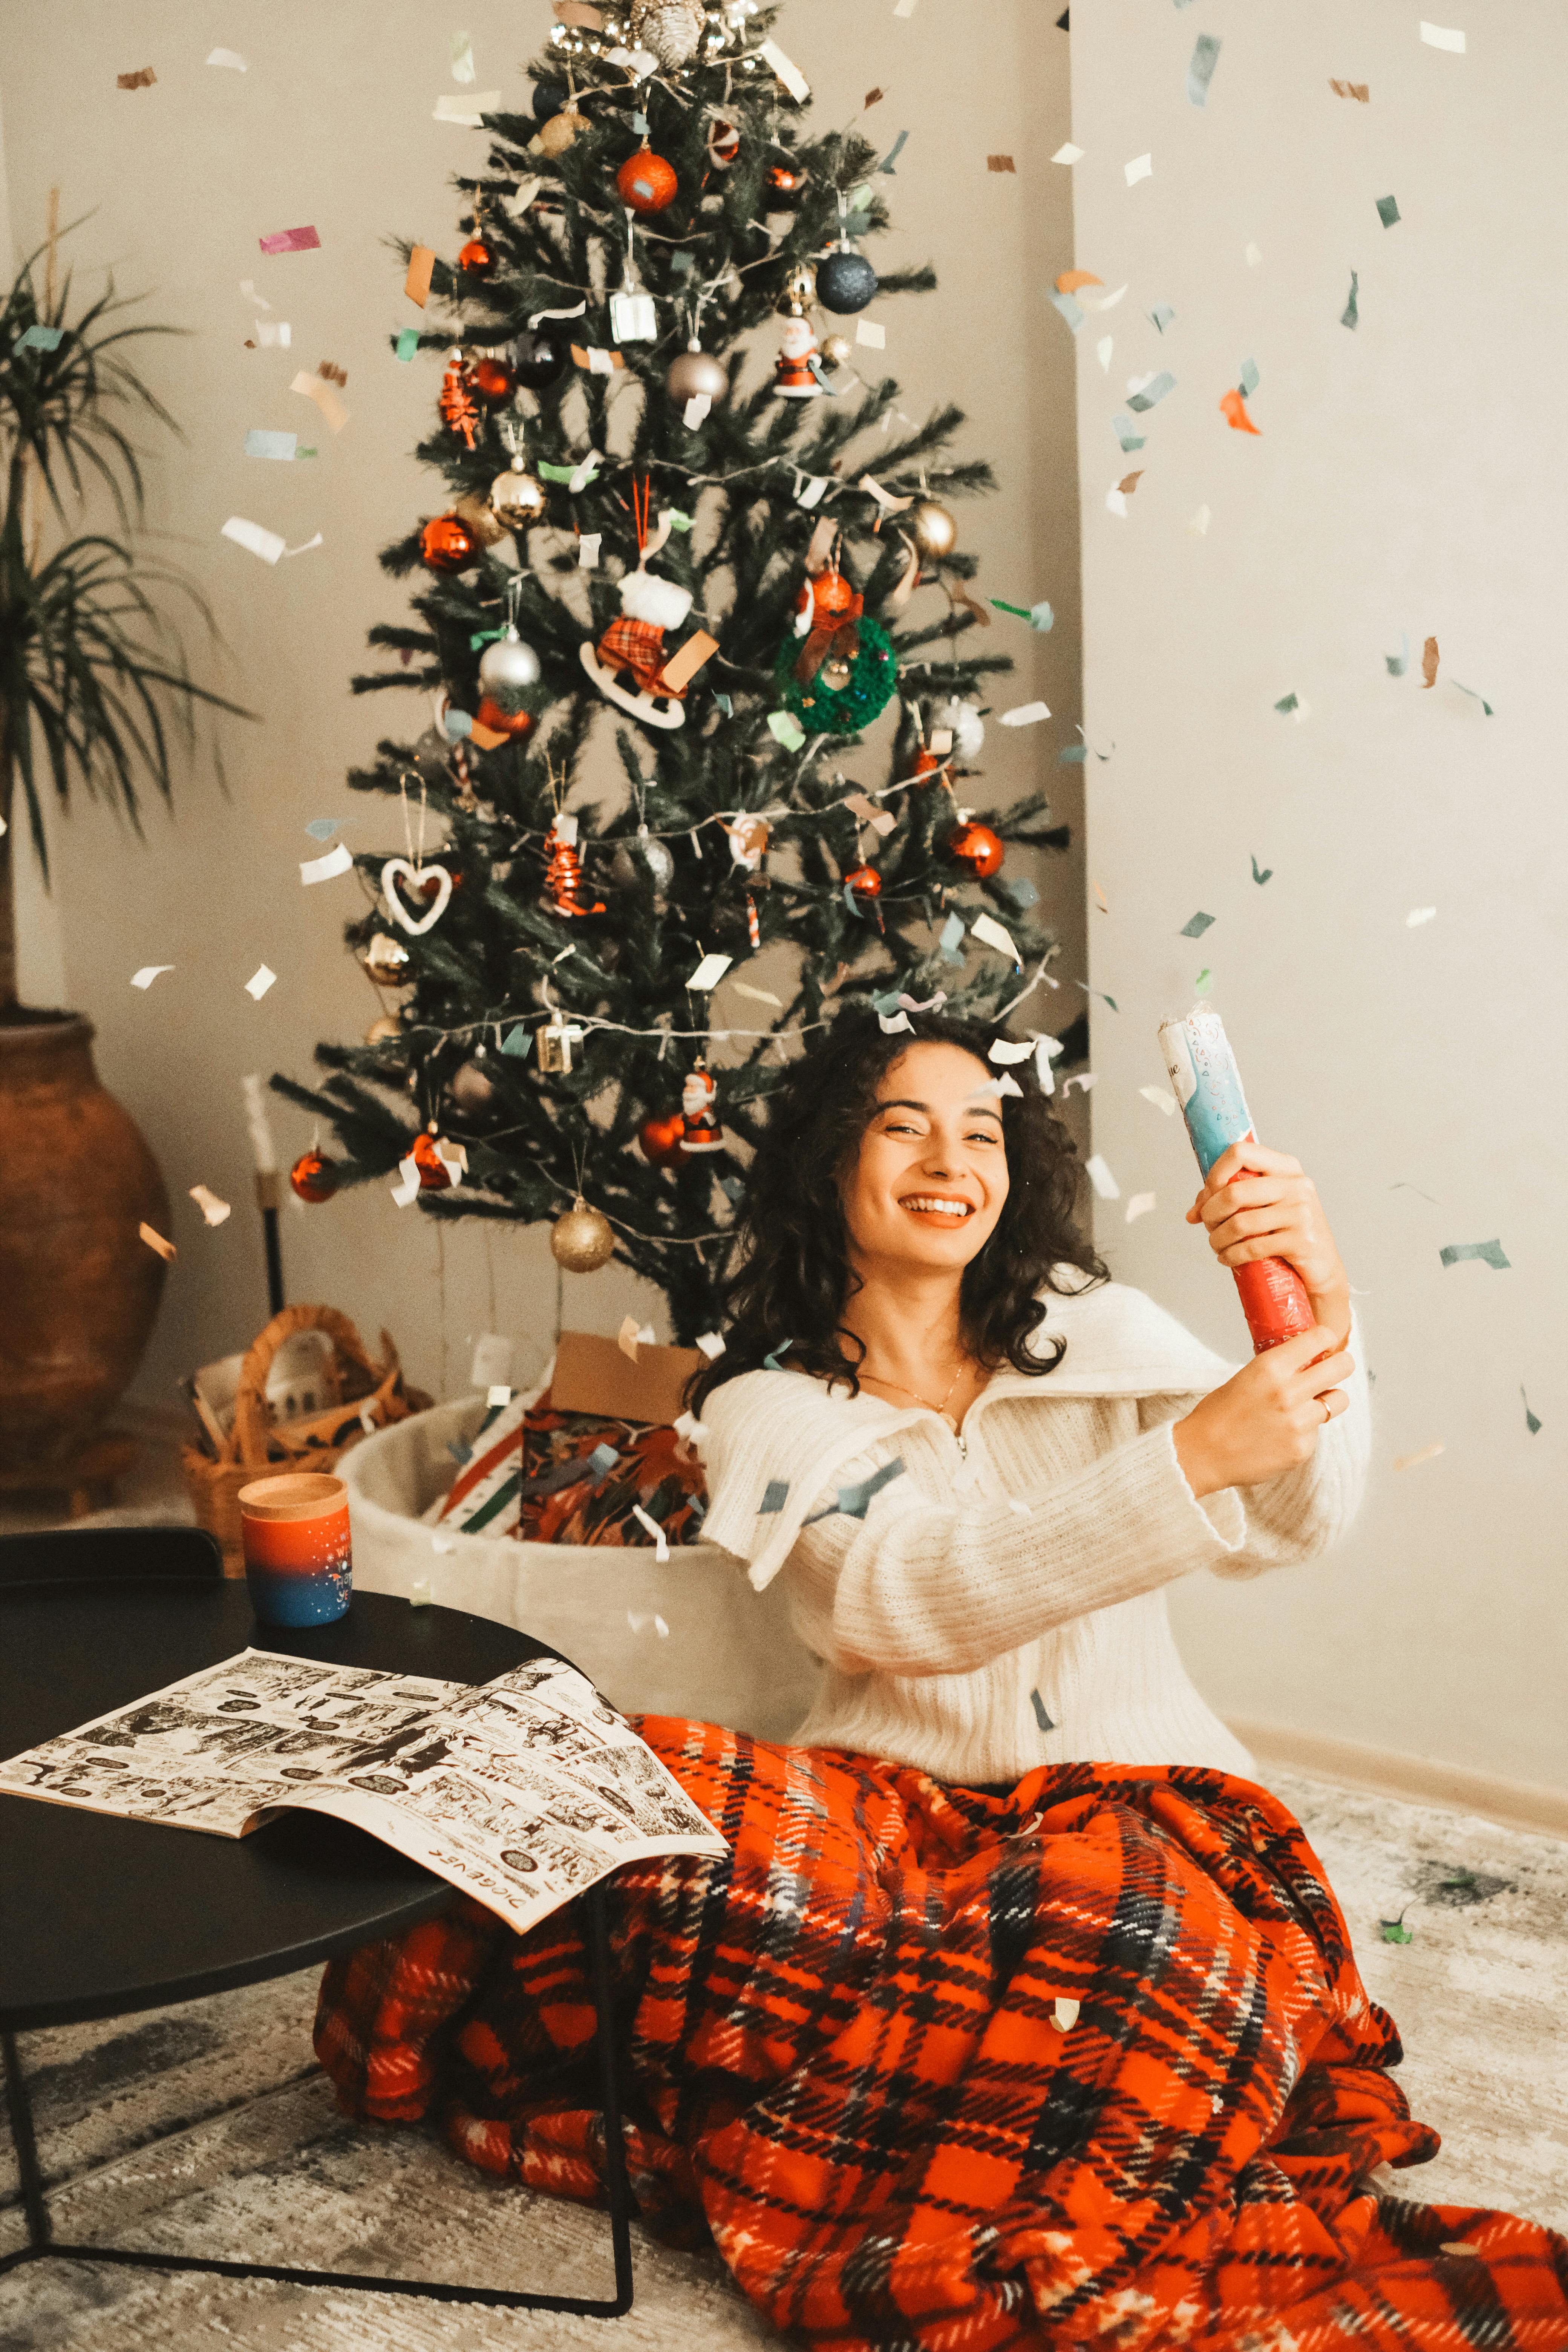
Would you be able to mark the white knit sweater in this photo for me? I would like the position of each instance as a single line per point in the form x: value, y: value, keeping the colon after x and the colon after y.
x: 1000, y: 1603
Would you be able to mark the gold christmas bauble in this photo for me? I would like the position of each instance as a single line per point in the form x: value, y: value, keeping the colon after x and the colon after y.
x: 933, y: 529
x: 487, y: 527
x: 835, y: 350
x: 382, y: 1031
x: 517, y: 499
x: 387, y: 960
x: 555, y: 136
x: 582, y: 1239
x: 799, y: 291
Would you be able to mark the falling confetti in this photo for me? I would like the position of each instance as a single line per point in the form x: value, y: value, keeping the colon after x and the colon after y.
x: 1232, y: 408
x: 1195, y: 925
x: 1429, y: 660
x: 1350, y: 315
x: 1395, y: 1931
x: 1422, y: 1453
x: 1261, y: 876
x: 1388, y: 211
x: 1532, y: 1421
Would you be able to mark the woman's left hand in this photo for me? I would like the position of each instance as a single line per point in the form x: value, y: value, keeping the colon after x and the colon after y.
x: 1257, y: 1203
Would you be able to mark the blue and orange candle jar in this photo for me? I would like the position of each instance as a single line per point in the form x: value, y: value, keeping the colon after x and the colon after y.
x: 297, y: 1566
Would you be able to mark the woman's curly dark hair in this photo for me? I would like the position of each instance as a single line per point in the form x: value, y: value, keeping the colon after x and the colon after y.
x: 792, y: 1274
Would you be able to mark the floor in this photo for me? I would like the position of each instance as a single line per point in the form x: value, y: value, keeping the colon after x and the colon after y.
x: 207, y: 2129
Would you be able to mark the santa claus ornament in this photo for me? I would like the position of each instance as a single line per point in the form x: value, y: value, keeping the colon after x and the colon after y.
x: 700, y: 1128
x: 795, y: 378
x: 628, y: 662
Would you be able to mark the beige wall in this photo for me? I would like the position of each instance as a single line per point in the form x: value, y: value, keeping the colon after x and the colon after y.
x: 1407, y: 479
x: 332, y: 125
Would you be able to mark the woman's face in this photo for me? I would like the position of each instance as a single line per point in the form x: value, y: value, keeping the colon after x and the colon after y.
x: 930, y: 1179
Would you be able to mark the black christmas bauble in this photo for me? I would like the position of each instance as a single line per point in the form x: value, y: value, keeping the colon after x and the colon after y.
x: 846, y: 280
x: 549, y: 97
x: 540, y: 359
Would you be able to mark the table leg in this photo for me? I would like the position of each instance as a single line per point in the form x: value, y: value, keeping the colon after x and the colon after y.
x: 41, y: 2242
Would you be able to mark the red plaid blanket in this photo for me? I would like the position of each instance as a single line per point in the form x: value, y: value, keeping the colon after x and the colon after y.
x: 845, y: 2065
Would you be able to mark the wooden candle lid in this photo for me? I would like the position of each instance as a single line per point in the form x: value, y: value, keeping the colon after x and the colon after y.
x: 294, y: 1495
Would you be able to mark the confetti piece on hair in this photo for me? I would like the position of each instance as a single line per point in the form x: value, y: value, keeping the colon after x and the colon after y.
x: 1152, y: 391
x: 1007, y: 1050
x: 148, y: 974
x: 154, y: 1241
x: 1200, y: 72
x: 1388, y: 211
x: 1395, y: 1931
x: 1041, y: 1717
x: 261, y: 980
x: 1357, y: 90
x: 1142, y: 167
x: 268, y: 544
x: 1350, y: 315
x: 1068, y: 153
x: 1232, y: 408
x: 214, y: 1210
x: 1162, y: 1097
x: 786, y: 729
x: 230, y: 58
x: 1422, y: 1453
x: 1429, y: 660
x: 1419, y: 915
x: 1439, y: 36
x: 1489, y: 1253
x: 1195, y: 925
x: 1026, y: 714
x: 289, y: 240
x: 1140, y: 1204
x: 1097, y: 1170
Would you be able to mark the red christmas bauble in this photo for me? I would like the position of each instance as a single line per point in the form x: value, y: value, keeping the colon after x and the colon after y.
x: 784, y: 184
x: 723, y: 143
x: 647, y: 181
x: 926, y: 764
x: 314, y: 1179
x: 447, y: 544
x: 477, y: 258
x: 830, y: 593
x: 433, y: 1171
x: 864, y: 881
x: 974, y: 847
x: 662, y: 1141
x: 516, y: 723
x: 493, y: 380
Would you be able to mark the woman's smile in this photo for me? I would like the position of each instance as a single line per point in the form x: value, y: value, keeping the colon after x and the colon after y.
x: 938, y: 1208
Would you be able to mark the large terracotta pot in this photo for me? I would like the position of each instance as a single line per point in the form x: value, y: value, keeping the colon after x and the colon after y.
x: 77, y: 1288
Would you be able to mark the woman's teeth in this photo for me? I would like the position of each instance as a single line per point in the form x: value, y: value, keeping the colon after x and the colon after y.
x: 929, y: 1206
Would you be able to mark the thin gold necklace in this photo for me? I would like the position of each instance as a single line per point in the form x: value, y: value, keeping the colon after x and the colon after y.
x: 940, y: 1409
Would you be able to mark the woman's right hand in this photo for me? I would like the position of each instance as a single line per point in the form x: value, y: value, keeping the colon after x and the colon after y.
x: 1266, y: 1420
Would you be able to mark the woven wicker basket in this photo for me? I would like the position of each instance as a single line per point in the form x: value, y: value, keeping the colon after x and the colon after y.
x: 373, y: 1397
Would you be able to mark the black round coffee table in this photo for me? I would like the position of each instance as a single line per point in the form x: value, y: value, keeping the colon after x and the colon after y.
x: 104, y: 1916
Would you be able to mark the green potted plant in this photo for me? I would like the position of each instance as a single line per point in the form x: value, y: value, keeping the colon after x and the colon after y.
x: 96, y: 697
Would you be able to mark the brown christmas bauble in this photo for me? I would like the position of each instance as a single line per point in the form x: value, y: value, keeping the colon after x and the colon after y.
x: 493, y: 380
x: 582, y: 1239
x: 487, y: 526
x: 661, y: 1140
x: 865, y: 882
x: 448, y: 545
x: 434, y: 1174
x: 314, y: 1178
x: 515, y: 723
x: 555, y: 136
x: 471, y: 1090
x: 647, y: 181
x: 382, y: 1031
x: 931, y: 528
x: 693, y: 372
x: 975, y: 848
x: 518, y: 498
x: 387, y: 960
x: 477, y: 258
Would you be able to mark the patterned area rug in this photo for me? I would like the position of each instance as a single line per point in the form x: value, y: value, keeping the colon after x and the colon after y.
x: 208, y: 2129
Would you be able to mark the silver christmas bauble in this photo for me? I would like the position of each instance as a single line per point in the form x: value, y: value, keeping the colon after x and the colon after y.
x: 694, y: 373
x: 508, y: 666
x: 517, y: 499
x: 931, y: 528
x: 671, y: 29
x: 471, y: 1090
x: 643, y: 856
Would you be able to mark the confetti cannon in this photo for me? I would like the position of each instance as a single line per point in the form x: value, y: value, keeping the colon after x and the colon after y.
x: 1208, y: 1088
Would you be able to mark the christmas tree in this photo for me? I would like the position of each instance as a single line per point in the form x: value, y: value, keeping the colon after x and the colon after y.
x: 677, y: 513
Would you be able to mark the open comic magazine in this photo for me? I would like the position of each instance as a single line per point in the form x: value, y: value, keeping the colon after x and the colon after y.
x: 522, y: 1792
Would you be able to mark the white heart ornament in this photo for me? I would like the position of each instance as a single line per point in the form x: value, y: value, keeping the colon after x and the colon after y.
x: 417, y: 877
